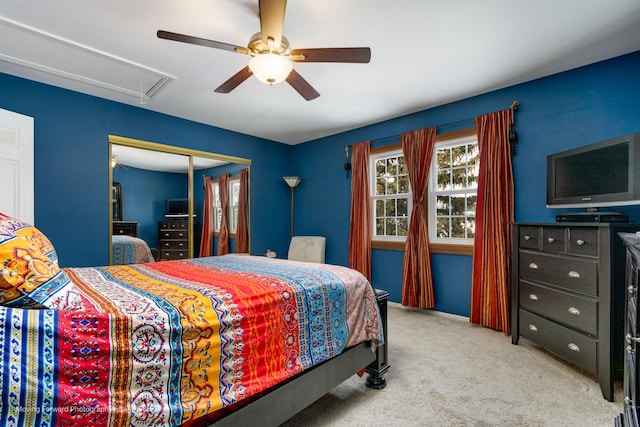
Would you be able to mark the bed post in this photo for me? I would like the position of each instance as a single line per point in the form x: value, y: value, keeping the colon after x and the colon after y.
x: 379, y: 366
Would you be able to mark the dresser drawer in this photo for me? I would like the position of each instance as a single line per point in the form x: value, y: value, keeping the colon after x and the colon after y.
x: 173, y: 254
x: 174, y: 244
x: 571, y: 273
x: 583, y: 241
x: 573, y: 310
x: 554, y: 239
x: 173, y: 234
x: 529, y: 237
x: 566, y: 343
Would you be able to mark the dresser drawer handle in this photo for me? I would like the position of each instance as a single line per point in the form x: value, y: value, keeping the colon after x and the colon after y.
x: 533, y: 266
x: 550, y: 239
x: 573, y: 347
x: 579, y: 242
x: 533, y: 328
x: 527, y: 237
x: 533, y: 297
x: 166, y: 244
x: 574, y: 274
x: 181, y: 235
x: 574, y: 311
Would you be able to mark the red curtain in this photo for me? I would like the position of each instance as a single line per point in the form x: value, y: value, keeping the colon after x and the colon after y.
x: 242, y: 232
x: 360, y: 221
x: 417, y: 280
x: 494, y: 212
x: 206, y: 240
x: 223, y: 236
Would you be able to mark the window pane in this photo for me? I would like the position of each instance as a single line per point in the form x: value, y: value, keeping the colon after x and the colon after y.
x: 391, y: 207
x: 390, y: 224
x: 403, y: 226
x: 392, y: 185
x: 459, y: 178
x: 379, y: 208
x: 442, y: 227
x: 458, y: 227
x: 379, y: 226
x: 458, y: 204
x: 403, y: 184
x: 442, y: 205
x: 403, y: 207
x: 471, y: 227
x: 381, y: 186
x: 402, y: 166
x: 218, y: 218
x: 459, y: 155
x: 380, y: 168
x: 473, y: 154
x: 472, y: 176
x: 443, y: 156
x: 444, y: 180
x: 392, y: 166
x: 471, y: 204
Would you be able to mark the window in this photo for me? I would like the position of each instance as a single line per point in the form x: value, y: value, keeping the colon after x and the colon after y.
x: 453, y: 189
x: 391, y: 196
x: 234, y: 196
x: 451, y: 198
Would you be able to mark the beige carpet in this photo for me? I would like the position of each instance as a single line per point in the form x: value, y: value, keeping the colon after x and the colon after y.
x: 447, y: 372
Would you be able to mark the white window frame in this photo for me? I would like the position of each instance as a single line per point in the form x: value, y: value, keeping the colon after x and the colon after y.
x: 373, y: 158
x: 434, y: 192
x: 233, y: 205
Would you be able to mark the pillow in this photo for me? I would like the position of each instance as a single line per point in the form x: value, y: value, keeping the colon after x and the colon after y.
x: 28, y: 260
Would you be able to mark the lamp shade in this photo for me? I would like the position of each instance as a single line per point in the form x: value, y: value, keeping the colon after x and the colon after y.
x: 292, y: 181
x: 270, y: 68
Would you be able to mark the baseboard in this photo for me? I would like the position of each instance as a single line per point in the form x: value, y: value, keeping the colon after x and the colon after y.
x: 430, y: 312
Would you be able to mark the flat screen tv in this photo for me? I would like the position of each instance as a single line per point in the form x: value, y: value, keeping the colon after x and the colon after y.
x: 176, y: 208
x: 597, y: 175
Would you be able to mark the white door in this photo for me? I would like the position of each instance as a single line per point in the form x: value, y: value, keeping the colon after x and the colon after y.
x: 16, y: 166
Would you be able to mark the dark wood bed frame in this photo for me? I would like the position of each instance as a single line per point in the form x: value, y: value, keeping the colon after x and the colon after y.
x: 282, y: 402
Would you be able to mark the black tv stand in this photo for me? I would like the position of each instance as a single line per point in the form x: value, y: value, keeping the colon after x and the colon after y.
x: 593, y: 216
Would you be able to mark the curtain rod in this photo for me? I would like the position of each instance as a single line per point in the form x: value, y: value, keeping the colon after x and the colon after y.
x: 514, y: 107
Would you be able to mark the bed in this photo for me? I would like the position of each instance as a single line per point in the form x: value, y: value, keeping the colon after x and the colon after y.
x: 130, y: 250
x: 174, y: 343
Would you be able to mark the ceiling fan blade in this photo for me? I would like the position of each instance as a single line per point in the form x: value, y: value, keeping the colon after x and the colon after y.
x: 302, y: 86
x: 199, y: 41
x: 234, y: 81
x: 360, y: 55
x: 272, y: 20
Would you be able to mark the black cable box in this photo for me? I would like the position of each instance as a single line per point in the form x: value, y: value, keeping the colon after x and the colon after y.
x: 592, y: 217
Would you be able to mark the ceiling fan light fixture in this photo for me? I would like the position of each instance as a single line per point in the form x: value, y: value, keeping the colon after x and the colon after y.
x: 270, y: 68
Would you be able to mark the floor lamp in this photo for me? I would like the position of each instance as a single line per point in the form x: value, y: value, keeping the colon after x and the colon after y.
x: 292, y: 182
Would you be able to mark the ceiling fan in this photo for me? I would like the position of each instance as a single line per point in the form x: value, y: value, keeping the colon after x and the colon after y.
x: 272, y: 55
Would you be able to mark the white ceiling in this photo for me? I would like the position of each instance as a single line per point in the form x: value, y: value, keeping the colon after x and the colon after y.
x: 425, y: 53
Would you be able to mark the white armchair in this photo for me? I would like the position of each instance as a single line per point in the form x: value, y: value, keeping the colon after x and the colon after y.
x: 307, y: 248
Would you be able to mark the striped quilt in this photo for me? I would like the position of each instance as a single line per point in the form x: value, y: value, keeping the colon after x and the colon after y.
x: 164, y: 343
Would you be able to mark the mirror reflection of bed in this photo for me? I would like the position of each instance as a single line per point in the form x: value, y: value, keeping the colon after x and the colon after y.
x: 153, y: 179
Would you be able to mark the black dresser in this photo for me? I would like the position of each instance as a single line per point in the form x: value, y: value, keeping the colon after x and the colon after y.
x: 631, y: 391
x: 568, y: 293
x: 173, y: 239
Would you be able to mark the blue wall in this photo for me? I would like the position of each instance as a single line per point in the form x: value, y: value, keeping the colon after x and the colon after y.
x: 72, y: 189
x: 556, y: 113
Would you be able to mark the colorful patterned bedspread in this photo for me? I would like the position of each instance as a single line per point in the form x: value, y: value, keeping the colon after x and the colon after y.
x: 163, y: 343
x: 130, y: 250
